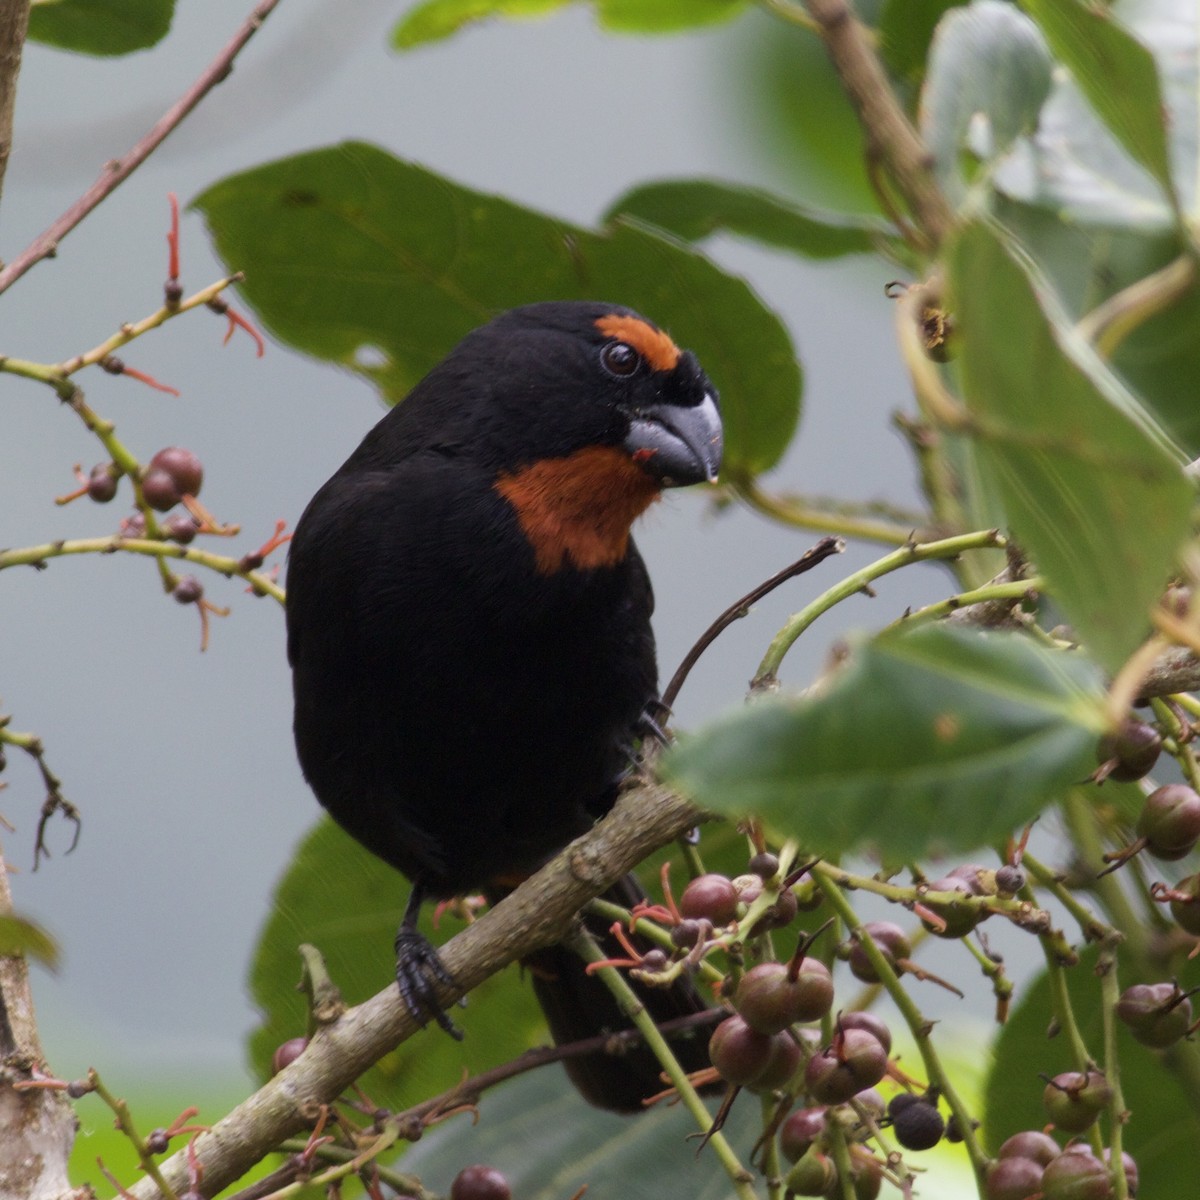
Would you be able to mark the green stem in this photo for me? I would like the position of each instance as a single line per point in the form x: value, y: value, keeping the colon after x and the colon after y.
x: 771, y: 1167
x: 35, y: 556
x: 986, y: 539
x: 1110, y: 993
x: 1092, y: 928
x: 585, y: 946
x: 125, y: 1123
x: 826, y: 518
x: 917, y: 1024
x: 1016, y: 589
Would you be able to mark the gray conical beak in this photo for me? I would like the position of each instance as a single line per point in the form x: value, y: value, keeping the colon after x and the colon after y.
x: 678, y: 444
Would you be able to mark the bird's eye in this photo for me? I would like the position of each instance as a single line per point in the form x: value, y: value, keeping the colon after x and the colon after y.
x: 620, y: 359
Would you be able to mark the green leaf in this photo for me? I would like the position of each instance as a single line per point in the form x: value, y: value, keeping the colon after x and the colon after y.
x: 436, y: 19
x: 348, y: 903
x: 382, y: 266
x: 1076, y: 169
x: 664, y: 16
x: 987, y: 77
x: 644, y: 1158
x: 103, y: 27
x: 1091, y: 486
x: 1164, y: 1130
x: 19, y: 936
x: 1115, y: 72
x: 694, y: 209
x: 905, y: 31
x: 928, y: 739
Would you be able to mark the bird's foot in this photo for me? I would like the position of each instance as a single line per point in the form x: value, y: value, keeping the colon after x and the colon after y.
x: 419, y: 972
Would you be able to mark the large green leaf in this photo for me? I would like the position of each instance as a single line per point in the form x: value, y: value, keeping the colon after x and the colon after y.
x: 435, y: 19
x: 381, y: 266
x: 987, y: 77
x: 104, y: 27
x: 694, y: 209
x: 1076, y: 167
x: 348, y: 904
x: 1091, y: 487
x: 1164, y: 1127
x: 1115, y: 72
x: 549, y: 1144
x: 926, y: 740
x: 19, y: 936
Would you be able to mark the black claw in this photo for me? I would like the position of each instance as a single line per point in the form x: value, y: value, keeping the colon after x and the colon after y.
x: 418, y: 972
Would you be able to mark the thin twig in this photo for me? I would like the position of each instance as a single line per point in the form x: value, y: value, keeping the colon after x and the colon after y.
x: 824, y: 549
x: 114, y: 173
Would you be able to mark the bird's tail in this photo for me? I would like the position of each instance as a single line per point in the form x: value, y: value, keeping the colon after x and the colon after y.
x: 579, y: 1006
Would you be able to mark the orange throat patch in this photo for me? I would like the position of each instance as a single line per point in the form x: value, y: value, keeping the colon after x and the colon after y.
x: 579, y: 509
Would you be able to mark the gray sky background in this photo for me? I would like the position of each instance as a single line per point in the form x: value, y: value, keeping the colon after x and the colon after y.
x: 182, y: 763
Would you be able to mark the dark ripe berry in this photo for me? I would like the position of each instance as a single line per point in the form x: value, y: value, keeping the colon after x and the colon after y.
x: 157, y: 1141
x: 654, y: 960
x: 1187, y: 912
x: 1013, y: 1179
x: 180, y: 528
x: 765, y: 866
x: 687, y: 933
x: 1009, y: 880
x: 710, y: 897
x: 770, y: 1001
x: 1158, y: 1014
x: 899, y: 1102
x: 188, y: 590
x: 799, y: 1131
x: 739, y: 1053
x: 160, y: 490
x: 1170, y: 821
x: 813, y: 1175
x: 959, y: 919
x: 871, y: 1023
x: 183, y: 467
x: 1133, y: 750
x: 1131, y: 1170
x: 133, y: 526
x: 3, y: 759
x: 287, y: 1052
x: 1076, y: 1174
x: 480, y: 1183
x: 1032, y: 1144
x: 782, y: 1064
x: 748, y: 888
x: 1074, y: 1100
x: 918, y: 1126
x: 953, y: 1129
x: 855, y: 1061
x: 102, y: 483
x: 890, y: 940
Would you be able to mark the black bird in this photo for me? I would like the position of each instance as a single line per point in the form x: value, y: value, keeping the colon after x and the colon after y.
x: 469, y: 626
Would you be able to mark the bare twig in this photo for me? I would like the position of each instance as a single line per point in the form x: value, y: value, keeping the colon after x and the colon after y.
x: 118, y: 170
x: 739, y: 608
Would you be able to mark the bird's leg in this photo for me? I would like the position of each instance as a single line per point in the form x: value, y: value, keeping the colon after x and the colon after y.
x: 419, y: 969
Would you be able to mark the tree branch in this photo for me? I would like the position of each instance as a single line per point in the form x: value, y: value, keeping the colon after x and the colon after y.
x: 114, y: 173
x: 539, y: 913
x: 891, y: 138
x: 14, y: 22
x: 37, y: 1127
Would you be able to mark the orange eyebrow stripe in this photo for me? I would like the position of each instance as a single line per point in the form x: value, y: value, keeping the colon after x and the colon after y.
x: 652, y: 344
